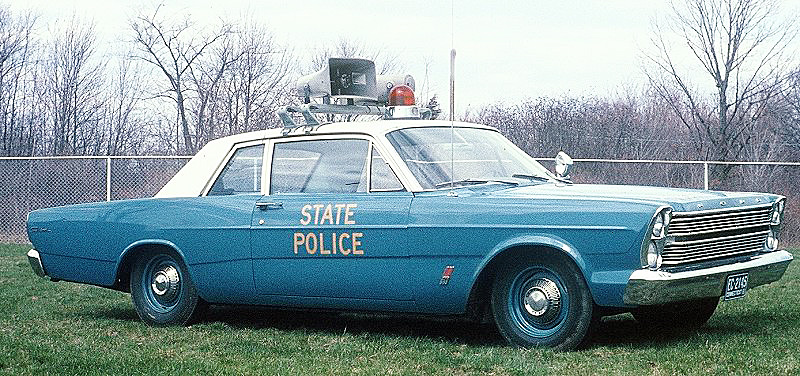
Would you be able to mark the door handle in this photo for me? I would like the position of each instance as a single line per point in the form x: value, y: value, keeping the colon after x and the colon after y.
x: 269, y: 205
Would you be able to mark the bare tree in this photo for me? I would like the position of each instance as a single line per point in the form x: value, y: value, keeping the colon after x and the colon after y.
x: 630, y: 127
x: 73, y: 79
x: 739, y: 44
x: 241, y: 82
x: 125, y: 130
x: 206, y: 79
x: 790, y: 109
x: 173, y: 49
x: 259, y: 81
x: 15, y: 45
x: 424, y: 89
x: 386, y: 61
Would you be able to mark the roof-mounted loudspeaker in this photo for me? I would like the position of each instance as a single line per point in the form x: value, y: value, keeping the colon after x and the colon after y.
x: 341, y: 78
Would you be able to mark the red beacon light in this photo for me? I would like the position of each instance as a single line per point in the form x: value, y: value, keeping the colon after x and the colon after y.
x: 401, y: 95
x: 401, y: 104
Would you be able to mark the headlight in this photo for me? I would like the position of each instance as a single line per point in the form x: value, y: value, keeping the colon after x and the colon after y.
x: 653, y: 255
x: 661, y: 223
x: 772, y: 240
x: 654, y: 244
x: 658, y: 226
x: 777, y: 212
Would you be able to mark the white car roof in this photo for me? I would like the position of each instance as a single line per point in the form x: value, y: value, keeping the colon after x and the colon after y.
x: 193, y: 177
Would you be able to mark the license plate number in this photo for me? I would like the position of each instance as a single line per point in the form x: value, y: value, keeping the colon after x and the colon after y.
x: 736, y: 286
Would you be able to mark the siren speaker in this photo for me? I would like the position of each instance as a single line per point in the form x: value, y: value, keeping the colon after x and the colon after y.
x: 341, y: 78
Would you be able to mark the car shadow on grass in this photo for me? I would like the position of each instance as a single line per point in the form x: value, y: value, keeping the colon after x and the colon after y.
x: 452, y: 330
x: 119, y: 313
x: 623, y: 331
x: 615, y: 331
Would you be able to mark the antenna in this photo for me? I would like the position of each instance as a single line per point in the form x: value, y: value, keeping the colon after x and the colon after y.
x: 452, y: 84
x: 452, y: 115
x: 452, y: 95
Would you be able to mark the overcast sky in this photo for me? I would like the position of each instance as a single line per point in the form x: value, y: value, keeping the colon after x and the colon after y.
x: 506, y: 50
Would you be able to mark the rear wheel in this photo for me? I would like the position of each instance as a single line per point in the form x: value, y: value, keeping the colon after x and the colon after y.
x: 162, y: 291
x: 684, y: 315
x: 542, y: 302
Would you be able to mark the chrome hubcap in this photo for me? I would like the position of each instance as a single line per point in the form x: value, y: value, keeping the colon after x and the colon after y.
x: 536, y: 302
x: 165, y: 283
x: 542, y: 300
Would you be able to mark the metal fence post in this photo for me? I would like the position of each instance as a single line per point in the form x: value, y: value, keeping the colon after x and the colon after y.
x: 705, y: 175
x: 108, y: 179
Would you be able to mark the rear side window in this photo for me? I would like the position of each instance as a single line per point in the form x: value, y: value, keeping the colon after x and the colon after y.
x: 242, y: 174
x: 319, y: 166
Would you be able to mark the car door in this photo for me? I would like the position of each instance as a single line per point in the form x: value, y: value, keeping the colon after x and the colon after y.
x: 215, y: 230
x: 331, y: 230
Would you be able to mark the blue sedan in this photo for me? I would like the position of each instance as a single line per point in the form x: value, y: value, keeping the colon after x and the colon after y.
x: 417, y: 216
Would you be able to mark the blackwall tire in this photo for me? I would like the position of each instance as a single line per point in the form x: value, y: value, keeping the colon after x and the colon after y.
x: 542, y: 302
x: 162, y: 290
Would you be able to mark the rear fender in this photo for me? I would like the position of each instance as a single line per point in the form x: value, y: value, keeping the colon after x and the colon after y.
x: 127, y: 256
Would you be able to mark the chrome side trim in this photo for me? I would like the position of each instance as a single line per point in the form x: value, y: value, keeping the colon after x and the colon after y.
x: 647, y: 287
x: 36, y: 263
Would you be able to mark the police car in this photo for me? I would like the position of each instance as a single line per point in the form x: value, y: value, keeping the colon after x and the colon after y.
x: 415, y: 216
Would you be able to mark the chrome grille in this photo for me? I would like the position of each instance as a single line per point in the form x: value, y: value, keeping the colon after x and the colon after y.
x: 696, y: 223
x: 716, y: 234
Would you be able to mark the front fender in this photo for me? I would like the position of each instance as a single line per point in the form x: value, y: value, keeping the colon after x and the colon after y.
x: 534, y: 240
x: 606, y: 286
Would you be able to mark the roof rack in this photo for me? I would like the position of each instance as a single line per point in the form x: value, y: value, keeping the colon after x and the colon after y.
x: 307, y: 110
x: 355, y: 89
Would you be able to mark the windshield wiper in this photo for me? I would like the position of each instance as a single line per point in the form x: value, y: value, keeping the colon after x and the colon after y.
x: 474, y: 181
x: 531, y: 177
x: 540, y: 177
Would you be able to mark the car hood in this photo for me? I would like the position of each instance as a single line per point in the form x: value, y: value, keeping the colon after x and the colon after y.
x: 680, y: 199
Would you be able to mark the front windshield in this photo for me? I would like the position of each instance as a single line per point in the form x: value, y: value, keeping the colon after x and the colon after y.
x: 438, y: 156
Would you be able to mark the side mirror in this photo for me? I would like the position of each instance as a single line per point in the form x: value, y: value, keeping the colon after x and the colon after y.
x: 563, y: 165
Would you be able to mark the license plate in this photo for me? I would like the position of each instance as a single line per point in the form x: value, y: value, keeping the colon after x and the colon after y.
x: 736, y: 286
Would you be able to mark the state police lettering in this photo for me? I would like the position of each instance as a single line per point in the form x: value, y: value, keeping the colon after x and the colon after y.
x: 328, y: 243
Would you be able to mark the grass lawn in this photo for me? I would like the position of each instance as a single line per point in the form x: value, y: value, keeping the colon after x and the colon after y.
x: 66, y: 328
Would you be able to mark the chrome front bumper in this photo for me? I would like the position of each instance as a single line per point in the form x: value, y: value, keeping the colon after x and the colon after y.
x: 647, y: 287
x: 36, y: 263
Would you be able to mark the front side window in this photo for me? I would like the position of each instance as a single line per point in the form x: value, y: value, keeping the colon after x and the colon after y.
x: 440, y: 156
x: 242, y: 174
x: 319, y: 166
x: 383, y: 179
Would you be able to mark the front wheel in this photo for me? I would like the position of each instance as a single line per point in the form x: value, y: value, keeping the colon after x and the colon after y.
x: 162, y: 291
x: 542, y: 302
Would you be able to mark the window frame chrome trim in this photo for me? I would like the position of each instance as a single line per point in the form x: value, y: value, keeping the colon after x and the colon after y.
x: 266, y: 190
x: 234, y: 148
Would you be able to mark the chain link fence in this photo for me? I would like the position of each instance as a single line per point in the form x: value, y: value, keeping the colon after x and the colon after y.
x: 28, y: 184
x: 32, y: 183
